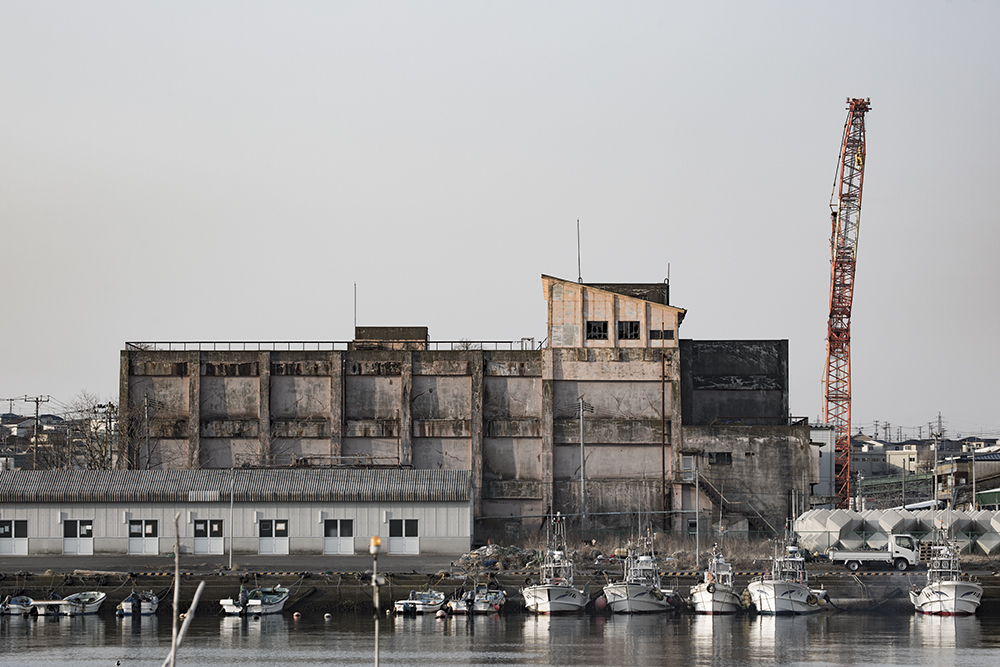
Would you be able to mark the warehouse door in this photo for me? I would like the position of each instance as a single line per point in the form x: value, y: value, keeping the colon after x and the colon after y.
x: 143, y: 537
x: 403, y: 536
x: 14, y: 537
x: 208, y: 538
x: 78, y: 537
x: 338, y: 536
x: 273, y: 536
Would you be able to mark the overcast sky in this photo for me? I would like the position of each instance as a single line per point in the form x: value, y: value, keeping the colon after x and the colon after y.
x: 229, y: 171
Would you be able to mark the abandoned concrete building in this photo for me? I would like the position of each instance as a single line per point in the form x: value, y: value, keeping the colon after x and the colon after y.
x: 614, y: 414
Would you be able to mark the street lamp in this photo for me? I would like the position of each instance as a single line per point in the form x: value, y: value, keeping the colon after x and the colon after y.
x: 374, y: 547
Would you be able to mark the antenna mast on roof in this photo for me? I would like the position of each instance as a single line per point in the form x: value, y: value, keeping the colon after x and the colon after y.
x: 579, y: 270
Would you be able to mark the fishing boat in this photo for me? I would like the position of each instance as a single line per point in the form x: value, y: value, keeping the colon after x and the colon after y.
x: 420, y: 602
x: 256, y: 602
x: 715, y: 593
x: 948, y: 592
x: 81, y: 604
x: 639, y: 590
x: 138, y: 603
x: 482, y: 599
x: 786, y: 589
x: 19, y: 605
x: 555, y: 593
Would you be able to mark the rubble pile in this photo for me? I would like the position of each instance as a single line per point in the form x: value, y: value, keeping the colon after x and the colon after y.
x: 500, y: 559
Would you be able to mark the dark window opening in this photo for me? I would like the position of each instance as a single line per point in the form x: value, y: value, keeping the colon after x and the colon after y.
x: 661, y: 334
x: 628, y: 331
x: 721, y: 458
x: 597, y: 330
x: 411, y: 528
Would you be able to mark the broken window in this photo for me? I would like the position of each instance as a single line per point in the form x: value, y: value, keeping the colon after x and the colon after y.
x: 628, y: 331
x: 720, y: 458
x: 597, y: 330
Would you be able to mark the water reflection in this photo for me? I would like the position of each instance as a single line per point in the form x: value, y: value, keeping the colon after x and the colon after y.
x: 253, y: 632
x: 861, y: 640
x: 945, y: 631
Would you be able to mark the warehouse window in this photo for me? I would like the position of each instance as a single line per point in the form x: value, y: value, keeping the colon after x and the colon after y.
x: 720, y: 458
x: 628, y: 331
x: 661, y: 334
x: 597, y: 330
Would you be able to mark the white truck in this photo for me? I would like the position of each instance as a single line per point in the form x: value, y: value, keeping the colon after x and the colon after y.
x: 901, y: 551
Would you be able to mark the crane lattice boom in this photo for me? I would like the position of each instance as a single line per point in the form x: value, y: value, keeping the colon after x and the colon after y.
x: 845, y: 214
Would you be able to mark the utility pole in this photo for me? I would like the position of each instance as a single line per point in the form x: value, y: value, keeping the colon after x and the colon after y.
x: 34, y: 446
x: 108, y: 408
x: 935, y: 445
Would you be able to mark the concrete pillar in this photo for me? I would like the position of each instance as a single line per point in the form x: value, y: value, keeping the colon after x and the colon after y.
x: 548, y: 389
x: 405, y: 425
x: 194, y: 409
x: 476, y: 362
x: 337, y: 394
x: 264, y: 409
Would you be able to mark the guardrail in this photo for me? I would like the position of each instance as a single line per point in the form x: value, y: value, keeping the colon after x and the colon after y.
x: 311, y: 345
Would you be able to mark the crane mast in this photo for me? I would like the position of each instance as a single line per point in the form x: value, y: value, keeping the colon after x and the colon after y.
x: 845, y: 216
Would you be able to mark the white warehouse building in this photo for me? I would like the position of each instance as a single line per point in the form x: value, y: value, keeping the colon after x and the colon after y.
x: 246, y: 510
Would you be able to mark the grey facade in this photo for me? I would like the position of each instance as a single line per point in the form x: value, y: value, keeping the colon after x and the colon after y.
x: 275, y: 511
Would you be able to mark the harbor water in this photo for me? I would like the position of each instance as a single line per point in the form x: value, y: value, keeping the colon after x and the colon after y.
x: 857, y: 639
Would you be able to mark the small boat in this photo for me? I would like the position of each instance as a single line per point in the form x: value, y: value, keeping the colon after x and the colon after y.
x: 715, y: 593
x: 786, y: 589
x: 555, y: 592
x: 19, y: 605
x: 420, y: 602
x: 482, y: 599
x: 639, y: 590
x: 256, y: 602
x: 948, y: 592
x: 81, y: 604
x: 138, y: 603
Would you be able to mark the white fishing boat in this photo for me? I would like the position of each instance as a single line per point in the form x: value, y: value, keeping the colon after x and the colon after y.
x: 786, y: 589
x: 78, y: 604
x: 639, y: 590
x: 19, y: 605
x: 138, y: 603
x: 420, y: 602
x: 948, y: 592
x: 482, y: 599
x: 715, y: 594
x: 555, y: 593
x: 256, y: 602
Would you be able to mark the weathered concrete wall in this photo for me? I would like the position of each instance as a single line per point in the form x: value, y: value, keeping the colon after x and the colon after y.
x: 763, y: 464
x: 732, y: 381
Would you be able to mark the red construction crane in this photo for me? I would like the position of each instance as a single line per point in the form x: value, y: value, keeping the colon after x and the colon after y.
x: 845, y: 215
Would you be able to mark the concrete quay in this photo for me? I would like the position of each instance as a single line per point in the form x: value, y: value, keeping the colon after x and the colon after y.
x: 321, y: 584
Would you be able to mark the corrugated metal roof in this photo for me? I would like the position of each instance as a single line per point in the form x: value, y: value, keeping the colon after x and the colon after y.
x: 249, y: 485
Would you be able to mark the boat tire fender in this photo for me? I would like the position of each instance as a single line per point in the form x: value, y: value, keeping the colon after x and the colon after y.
x: 711, y: 588
x: 811, y: 599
